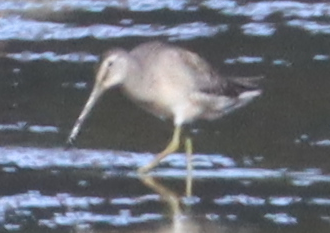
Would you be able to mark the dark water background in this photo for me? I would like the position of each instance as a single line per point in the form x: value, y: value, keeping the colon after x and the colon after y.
x: 264, y: 168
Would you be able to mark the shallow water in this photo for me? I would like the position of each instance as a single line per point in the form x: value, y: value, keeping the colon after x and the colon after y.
x: 264, y: 168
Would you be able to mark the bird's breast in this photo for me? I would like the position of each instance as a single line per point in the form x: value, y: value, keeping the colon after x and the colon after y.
x: 151, y: 100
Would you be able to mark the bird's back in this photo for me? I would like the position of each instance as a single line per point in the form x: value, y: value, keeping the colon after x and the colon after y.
x: 172, y: 78
x: 172, y: 62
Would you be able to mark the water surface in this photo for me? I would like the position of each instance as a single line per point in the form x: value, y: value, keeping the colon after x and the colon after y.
x: 264, y: 168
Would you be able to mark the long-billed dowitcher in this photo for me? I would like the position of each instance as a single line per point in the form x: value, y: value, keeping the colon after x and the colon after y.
x: 170, y: 82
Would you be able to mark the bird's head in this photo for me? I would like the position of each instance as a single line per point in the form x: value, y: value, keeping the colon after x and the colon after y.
x: 112, y: 70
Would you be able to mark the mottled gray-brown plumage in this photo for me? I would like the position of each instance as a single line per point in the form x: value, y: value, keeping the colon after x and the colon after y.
x: 169, y: 82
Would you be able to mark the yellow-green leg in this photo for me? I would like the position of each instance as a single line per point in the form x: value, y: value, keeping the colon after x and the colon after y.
x: 189, y: 152
x: 172, y: 147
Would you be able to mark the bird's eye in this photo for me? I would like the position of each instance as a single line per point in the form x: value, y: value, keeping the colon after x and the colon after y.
x: 110, y: 64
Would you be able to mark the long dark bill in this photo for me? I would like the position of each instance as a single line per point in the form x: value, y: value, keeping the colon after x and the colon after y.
x: 93, y: 98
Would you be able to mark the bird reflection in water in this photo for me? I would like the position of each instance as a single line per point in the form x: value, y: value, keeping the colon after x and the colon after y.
x: 182, y: 221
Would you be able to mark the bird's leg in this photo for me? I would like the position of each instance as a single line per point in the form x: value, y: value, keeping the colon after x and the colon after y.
x: 171, y: 147
x: 189, y: 152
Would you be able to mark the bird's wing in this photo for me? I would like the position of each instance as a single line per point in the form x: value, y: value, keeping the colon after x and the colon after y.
x: 207, y: 80
x: 204, y: 77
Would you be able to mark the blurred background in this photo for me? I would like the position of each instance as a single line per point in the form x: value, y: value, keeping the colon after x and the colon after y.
x: 263, y: 168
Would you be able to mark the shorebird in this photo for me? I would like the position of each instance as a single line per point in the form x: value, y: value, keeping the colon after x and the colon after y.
x: 169, y: 82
